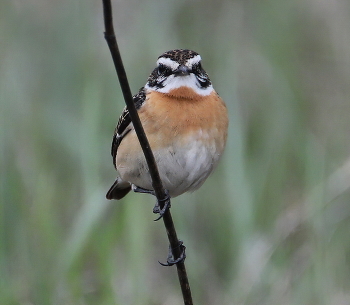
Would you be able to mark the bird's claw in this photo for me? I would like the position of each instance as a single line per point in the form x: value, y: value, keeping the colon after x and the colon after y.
x: 156, y: 209
x: 166, y: 206
x: 171, y: 260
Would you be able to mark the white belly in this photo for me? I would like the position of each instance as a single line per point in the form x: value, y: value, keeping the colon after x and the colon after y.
x: 182, y: 167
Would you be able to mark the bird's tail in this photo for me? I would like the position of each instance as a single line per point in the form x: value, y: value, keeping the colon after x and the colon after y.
x: 119, y: 189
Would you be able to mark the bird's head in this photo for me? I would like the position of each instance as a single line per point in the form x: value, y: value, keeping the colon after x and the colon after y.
x: 179, y: 69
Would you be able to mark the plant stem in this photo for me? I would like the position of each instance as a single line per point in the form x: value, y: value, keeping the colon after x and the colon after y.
x: 153, y: 169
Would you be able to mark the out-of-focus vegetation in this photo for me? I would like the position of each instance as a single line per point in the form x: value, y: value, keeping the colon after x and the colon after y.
x: 270, y: 226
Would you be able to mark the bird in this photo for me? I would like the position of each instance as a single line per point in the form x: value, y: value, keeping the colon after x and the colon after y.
x: 185, y: 121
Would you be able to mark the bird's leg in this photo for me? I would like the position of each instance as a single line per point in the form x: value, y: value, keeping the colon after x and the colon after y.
x: 166, y: 206
x: 156, y: 209
x: 141, y: 190
x: 171, y: 260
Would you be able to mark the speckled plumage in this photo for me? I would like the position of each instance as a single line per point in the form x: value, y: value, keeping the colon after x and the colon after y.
x: 180, y: 55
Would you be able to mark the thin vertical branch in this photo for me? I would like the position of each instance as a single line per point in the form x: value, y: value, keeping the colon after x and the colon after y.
x: 153, y: 169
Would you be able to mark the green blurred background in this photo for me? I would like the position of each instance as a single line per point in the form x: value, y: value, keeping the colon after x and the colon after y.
x: 270, y: 226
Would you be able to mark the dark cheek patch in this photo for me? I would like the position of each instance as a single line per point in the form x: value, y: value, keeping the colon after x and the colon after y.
x: 155, y: 80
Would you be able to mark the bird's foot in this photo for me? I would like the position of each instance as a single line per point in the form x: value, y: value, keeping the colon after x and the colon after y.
x: 156, y: 209
x: 166, y: 206
x: 171, y: 259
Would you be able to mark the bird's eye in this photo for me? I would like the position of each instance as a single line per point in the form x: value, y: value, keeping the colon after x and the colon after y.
x: 197, y: 67
x: 163, y: 70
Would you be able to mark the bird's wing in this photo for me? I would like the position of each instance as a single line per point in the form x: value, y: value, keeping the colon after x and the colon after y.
x: 124, y: 123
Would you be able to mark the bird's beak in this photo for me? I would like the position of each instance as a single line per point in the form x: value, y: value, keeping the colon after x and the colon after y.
x: 182, y: 71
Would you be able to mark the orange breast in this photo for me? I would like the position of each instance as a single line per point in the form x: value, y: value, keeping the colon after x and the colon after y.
x: 181, y: 113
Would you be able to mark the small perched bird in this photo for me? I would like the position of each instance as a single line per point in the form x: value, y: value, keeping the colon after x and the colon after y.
x: 185, y: 122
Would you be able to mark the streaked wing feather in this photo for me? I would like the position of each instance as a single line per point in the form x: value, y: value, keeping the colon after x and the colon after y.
x: 124, y: 123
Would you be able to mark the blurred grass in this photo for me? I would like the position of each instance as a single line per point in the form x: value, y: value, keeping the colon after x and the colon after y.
x: 270, y: 226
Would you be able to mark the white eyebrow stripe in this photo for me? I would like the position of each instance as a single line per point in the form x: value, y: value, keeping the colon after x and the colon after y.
x: 193, y: 60
x: 168, y: 62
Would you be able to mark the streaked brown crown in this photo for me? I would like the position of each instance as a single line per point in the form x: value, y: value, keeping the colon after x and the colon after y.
x: 179, y: 55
